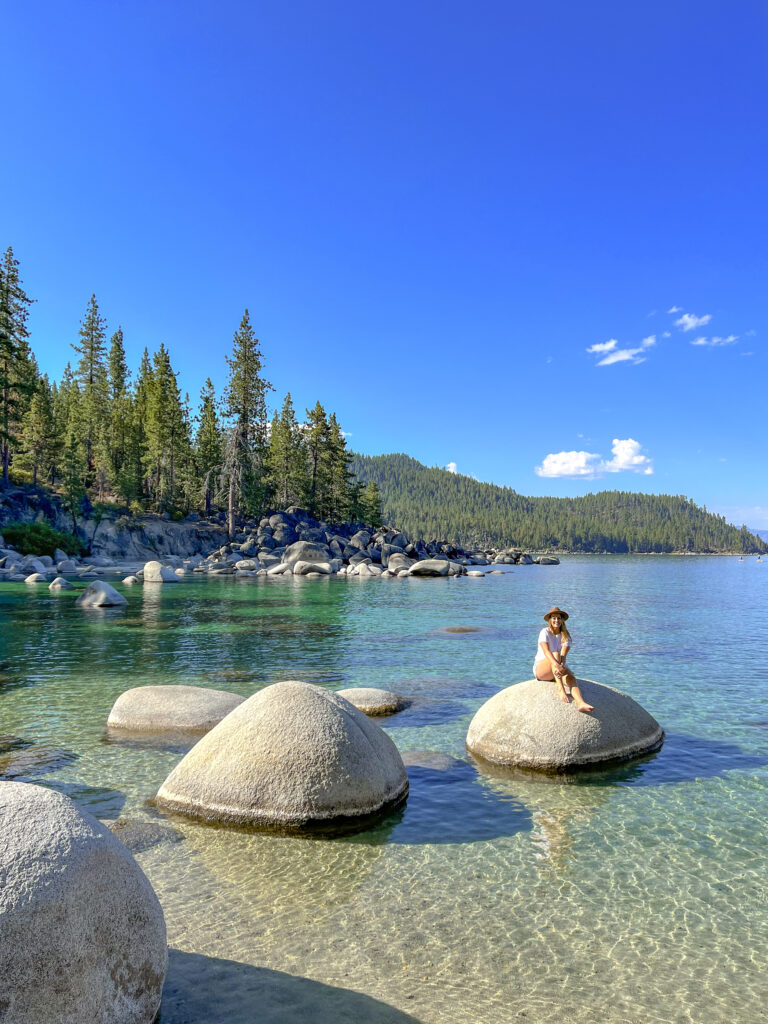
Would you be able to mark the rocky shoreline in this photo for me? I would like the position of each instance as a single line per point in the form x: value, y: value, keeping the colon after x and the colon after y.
x: 285, y: 543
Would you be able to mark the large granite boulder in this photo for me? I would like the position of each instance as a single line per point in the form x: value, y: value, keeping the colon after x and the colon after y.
x: 100, y: 595
x: 155, y: 572
x: 528, y: 726
x: 431, y: 567
x: 306, y: 551
x: 171, y: 708
x: 82, y: 934
x: 291, y: 757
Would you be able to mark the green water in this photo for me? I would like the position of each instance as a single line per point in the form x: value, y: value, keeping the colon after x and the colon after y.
x: 636, y: 895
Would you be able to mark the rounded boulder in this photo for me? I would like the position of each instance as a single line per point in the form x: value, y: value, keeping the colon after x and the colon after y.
x: 82, y: 934
x: 155, y: 572
x: 527, y: 726
x: 171, y: 708
x: 372, y: 701
x: 100, y: 595
x: 292, y: 757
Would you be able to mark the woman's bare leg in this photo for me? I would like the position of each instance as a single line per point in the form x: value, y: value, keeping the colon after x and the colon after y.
x: 581, y: 704
x: 545, y: 674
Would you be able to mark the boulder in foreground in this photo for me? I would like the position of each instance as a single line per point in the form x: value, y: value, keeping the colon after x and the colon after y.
x: 100, y: 595
x: 82, y: 934
x: 372, y: 701
x: 171, y: 708
x: 292, y: 757
x: 527, y: 726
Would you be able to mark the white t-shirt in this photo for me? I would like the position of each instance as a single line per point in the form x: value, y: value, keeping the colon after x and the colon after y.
x: 554, y: 642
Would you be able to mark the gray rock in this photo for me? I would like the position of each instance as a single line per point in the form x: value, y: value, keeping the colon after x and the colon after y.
x: 31, y: 564
x: 528, y: 726
x: 547, y: 560
x: 60, y: 556
x: 304, y: 568
x: 431, y: 567
x: 372, y: 701
x: 82, y: 934
x: 292, y: 756
x: 131, y: 580
x: 36, y: 577
x: 154, y: 572
x: 100, y: 595
x: 307, y: 551
x: 171, y: 708
x: 476, y: 573
x: 67, y: 565
x: 360, y: 540
x: 248, y: 563
x: 397, y: 561
x: 60, y: 584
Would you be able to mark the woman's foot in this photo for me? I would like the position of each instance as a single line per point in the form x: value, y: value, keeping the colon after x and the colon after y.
x: 564, y: 697
x: 583, y: 706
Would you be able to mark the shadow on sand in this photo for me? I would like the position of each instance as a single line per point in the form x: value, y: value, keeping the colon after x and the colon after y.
x: 204, y: 988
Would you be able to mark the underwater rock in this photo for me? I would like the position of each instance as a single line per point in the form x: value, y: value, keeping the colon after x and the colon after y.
x: 372, y: 701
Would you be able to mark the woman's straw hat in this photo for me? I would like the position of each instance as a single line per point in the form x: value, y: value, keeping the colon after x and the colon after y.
x: 556, y: 611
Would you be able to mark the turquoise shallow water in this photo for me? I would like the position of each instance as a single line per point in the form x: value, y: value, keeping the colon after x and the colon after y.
x: 633, y: 895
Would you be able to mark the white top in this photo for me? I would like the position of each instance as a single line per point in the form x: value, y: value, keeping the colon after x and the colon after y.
x: 554, y: 642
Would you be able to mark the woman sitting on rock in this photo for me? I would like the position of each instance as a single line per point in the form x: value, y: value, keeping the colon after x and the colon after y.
x: 554, y: 644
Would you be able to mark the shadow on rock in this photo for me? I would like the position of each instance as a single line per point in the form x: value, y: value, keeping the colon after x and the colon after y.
x: 204, y: 988
x: 448, y: 803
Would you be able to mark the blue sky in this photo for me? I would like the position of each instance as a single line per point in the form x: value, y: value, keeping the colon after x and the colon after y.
x: 433, y: 212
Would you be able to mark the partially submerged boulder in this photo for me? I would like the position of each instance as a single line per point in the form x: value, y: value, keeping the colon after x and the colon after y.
x: 430, y: 567
x: 155, y: 572
x: 372, y: 701
x: 82, y: 934
x: 100, y: 595
x: 162, y: 709
x: 527, y: 726
x: 291, y: 757
x: 60, y: 584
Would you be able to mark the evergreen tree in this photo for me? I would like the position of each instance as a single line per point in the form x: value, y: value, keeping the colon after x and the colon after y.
x: 287, y: 459
x: 39, y: 434
x: 118, y: 375
x: 91, y: 375
x: 338, y: 499
x: 316, y: 438
x: 371, y: 504
x: 15, y: 385
x: 166, y: 446
x: 208, y: 444
x: 245, y: 404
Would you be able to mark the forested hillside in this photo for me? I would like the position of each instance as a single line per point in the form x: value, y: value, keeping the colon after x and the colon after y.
x: 431, y: 502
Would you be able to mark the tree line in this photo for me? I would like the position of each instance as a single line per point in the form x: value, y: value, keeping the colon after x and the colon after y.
x: 433, y: 503
x: 104, y: 434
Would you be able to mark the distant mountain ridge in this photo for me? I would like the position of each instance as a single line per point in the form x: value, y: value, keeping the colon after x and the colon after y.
x: 429, y: 502
x: 762, y: 534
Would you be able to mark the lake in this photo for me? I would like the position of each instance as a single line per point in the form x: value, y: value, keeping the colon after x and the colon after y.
x: 624, y: 896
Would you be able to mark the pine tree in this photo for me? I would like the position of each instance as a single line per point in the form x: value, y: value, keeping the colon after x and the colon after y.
x: 91, y: 375
x: 208, y: 444
x: 39, y: 434
x: 166, y: 447
x: 371, y: 504
x: 287, y: 459
x: 245, y: 404
x: 15, y: 385
x: 316, y: 438
x: 338, y: 501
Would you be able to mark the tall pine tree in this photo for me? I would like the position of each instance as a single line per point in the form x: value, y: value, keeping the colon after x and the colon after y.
x: 15, y: 385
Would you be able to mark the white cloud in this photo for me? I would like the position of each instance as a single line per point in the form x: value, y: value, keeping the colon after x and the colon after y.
x: 689, y: 321
x: 603, y: 346
x: 715, y: 341
x: 666, y: 334
x: 675, y: 309
x: 570, y: 464
x: 451, y: 467
x: 750, y: 334
x: 612, y: 355
x: 346, y: 433
x: 627, y: 458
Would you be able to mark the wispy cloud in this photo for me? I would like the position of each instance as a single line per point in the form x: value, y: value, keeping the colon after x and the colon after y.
x: 750, y: 334
x: 675, y: 309
x: 689, y: 321
x: 452, y: 467
x: 715, y: 341
x: 627, y: 458
x: 611, y: 354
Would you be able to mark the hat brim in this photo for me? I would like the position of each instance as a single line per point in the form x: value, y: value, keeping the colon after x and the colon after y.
x: 563, y: 615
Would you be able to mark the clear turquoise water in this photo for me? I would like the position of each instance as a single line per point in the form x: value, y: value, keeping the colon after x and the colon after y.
x: 634, y: 895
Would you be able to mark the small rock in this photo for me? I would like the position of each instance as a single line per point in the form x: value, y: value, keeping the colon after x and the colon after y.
x: 100, y: 595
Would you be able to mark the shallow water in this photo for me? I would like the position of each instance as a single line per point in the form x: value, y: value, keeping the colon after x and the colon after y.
x: 633, y: 895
